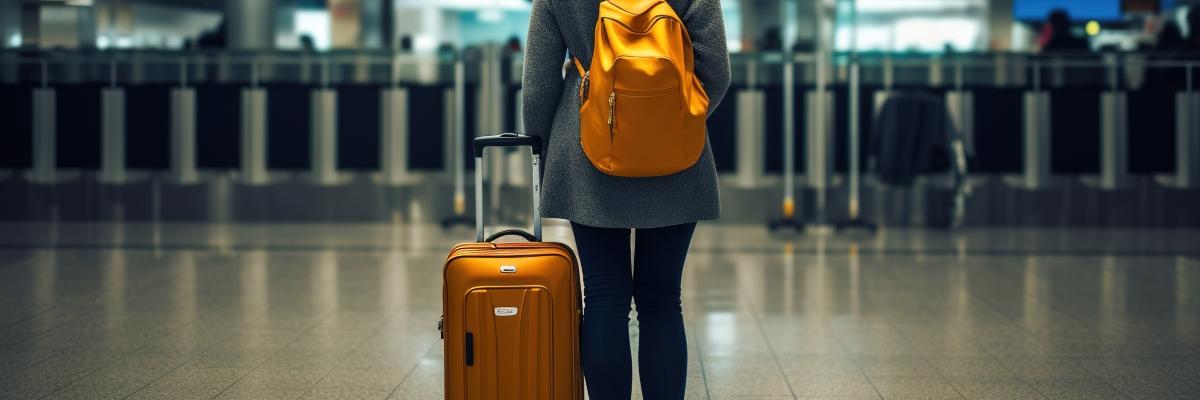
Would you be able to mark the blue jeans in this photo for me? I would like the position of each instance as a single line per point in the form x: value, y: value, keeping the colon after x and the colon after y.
x: 652, y: 281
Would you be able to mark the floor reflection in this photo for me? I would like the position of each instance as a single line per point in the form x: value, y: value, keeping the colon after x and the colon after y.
x: 350, y: 311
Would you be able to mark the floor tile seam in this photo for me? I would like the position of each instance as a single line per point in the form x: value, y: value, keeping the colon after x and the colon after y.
x: 754, y: 313
x: 185, y: 361
x: 375, y: 331
x: 920, y: 355
x: 1164, y: 371
x: 73, y: 320
x: 700, y: 360
x: 22, y: 261
x: 32, y: 315
x: 1050, y: 306
x: 313, y: 325
x: 863, y: 373
x: 857, y: 367
x: 411, y: 370
x: 89, y: 309
x: 1106, y: 382
x: 1090, y: 326
x: 165, y: 337
x: 1012, y: 319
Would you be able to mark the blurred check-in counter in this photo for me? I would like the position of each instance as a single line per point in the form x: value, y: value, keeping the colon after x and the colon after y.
x: 124, y: 116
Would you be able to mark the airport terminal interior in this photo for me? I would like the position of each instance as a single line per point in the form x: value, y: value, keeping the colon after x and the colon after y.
x: 919, y: 199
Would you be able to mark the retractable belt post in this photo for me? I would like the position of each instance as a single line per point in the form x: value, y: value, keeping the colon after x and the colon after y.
x: 456, y: 149
x: 788, y: 206
x: 854, y: 212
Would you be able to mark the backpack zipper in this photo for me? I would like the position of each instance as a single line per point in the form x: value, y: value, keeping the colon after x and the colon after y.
x: 612, y: 105
x: 583, y: 85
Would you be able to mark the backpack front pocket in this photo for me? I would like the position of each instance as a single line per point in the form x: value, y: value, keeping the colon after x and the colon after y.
x: 645, y: 117
x: 645, y: 128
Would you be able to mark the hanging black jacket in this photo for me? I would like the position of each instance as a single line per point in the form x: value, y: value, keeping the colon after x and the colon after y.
x: 911, y: 134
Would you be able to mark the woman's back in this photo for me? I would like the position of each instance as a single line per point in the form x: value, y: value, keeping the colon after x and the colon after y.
x: 573, y: 189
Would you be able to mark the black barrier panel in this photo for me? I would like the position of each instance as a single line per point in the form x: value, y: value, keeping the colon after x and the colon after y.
x: 774, y: 124
x: 289, y: 126
x: 773, y: 128
x: 999, y: 118
x: 148, y: 127
x: 426, y: 127
x: 16, y: 118
x: 722, y: 133
x: 78, y: 122
x: 1075, y: 131
x: 1152, y: 131
x: 218, y: 126
x: 358, y: 130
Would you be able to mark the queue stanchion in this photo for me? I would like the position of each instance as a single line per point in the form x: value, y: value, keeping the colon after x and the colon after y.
x: 183, y: 130
x: 751, y: 103
x: 854, y: 218
x: 788, y: 219
x: 1035, y: 170
x: 45, y: 131
x: 459, y: 217
x: 112, y: 130
x: 254, y: 132
x: 323, y: 127
x: 1114, y: 132
x: 1187, y: 137
x: 393, y: 130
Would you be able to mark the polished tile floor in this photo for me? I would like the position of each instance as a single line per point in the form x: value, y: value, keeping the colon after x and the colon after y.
x: 198, y: 311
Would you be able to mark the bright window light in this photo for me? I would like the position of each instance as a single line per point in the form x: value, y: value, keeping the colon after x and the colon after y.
x: 911, y: 25
x: 314, y: 24
x: 490, y: 15
x: 867, y: 6
x: 935, y: 34
x: 14, y: 40
x: 424, y: 42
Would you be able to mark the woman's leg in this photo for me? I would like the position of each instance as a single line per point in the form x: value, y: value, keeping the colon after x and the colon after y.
x: 662, y: 348
x: 608, y: 289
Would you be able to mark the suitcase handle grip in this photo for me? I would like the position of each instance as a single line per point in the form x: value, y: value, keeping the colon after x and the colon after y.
x: 512, y: 232
x: 507, y: 140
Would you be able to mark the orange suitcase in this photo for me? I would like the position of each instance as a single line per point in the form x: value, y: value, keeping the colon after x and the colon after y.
x: 511, y: 311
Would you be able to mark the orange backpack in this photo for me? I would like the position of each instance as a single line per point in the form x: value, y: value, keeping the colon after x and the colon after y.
x: 643, y: 109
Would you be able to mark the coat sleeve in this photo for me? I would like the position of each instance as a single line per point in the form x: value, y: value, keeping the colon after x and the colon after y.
x: 542, y: 77
x: 706, y: 27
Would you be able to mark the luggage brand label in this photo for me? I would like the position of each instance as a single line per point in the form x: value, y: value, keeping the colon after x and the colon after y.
x: 508, y: 269
x: 505, y: 311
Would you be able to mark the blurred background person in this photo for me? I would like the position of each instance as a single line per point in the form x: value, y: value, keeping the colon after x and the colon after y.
x: 1057, y: 35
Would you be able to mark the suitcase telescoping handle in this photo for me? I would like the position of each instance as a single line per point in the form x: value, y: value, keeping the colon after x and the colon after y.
x: 508, y: 140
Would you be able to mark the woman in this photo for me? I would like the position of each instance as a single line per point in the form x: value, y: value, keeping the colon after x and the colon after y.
x: 604, y: 209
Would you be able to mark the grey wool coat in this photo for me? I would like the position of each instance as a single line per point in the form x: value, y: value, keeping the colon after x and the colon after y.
x: 572, y: 188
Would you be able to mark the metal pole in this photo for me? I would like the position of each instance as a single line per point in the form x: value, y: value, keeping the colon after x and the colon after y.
x: 789, y: 135
x: 854, y: 138
x: 820, y: 106
x: 459, y: 131
x: 854, y: 112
